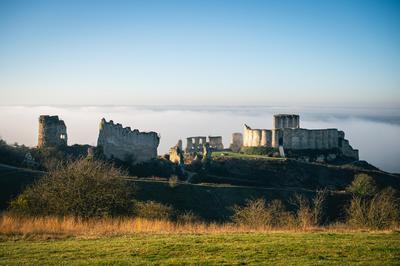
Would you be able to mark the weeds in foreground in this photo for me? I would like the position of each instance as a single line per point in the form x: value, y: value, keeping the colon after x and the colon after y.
x: 14, y: 227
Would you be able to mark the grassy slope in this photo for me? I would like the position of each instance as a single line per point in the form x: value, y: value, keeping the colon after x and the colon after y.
x: 209, y: 201
x: 262, y: 171
x: 12, y: 182
x: 230, y: 249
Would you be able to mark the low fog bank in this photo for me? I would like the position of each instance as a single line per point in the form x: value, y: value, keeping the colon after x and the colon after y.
x: 373, y: 131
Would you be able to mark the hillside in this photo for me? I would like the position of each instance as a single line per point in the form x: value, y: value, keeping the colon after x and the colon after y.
x: 262, y: 171
x: 210, y: 201
x: 13, y: 180
x: 231, y: 180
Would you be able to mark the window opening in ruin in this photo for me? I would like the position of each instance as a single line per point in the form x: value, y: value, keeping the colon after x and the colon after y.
x: 280, y: 141
x: 62, y: 136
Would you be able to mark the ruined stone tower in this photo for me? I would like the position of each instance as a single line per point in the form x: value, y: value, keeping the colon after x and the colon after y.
x: 52, y: 132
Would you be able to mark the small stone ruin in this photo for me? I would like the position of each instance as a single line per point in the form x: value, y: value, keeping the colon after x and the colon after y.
x: 52, y: 132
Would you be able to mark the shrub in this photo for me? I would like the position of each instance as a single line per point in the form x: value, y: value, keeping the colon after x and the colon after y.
x: 363, y: 185
x: 304, y: 214
x: 188, y: 217
x: 256, y: 213
x: 309, y: 213
x: 153, y: 210
x: 83, y: 188
x: 379, y: 211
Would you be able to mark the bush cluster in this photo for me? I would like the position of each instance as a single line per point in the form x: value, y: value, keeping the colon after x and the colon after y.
x: 257, y: 213
x: 83, y: 188
x: 371, y: 208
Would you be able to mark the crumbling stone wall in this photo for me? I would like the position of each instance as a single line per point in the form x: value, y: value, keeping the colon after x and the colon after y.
x: 52, y: 132
x: 236, y: 142
x: 195, y: 144
x: 126, y: 144
x: 256, y: 137
x: 215, y: 143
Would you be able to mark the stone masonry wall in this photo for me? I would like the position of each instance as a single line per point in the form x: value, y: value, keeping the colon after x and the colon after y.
x: 236, y: 142
x: 301, y: 138
x: 52, y: 132
x: 286, y: 121
x: 215, y: 143
x: 256, y: 137
x: 126, y: 144
x: 195, y: 144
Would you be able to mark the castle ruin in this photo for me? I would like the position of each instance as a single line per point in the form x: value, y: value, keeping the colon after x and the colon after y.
x: 195, y: 144
x: 236, y: 142
x: 215, y: 143
x: 52, y: 132
x: 126, y: 144
x: 286, y: 132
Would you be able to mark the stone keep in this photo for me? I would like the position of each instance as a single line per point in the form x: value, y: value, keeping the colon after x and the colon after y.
x: 286, y: 132
x: 52, y: 132
x: 126, y: 144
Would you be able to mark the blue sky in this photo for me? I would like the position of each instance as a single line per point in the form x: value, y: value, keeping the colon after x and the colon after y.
x: 300, y: 53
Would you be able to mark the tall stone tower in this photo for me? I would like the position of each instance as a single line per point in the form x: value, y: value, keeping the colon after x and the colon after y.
x: 52, y: 132
x: 286, y: 121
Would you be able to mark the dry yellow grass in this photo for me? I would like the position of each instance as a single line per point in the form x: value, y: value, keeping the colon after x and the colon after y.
x: 20, y: 227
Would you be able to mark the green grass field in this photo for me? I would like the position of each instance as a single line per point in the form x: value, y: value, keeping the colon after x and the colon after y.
x: 229, y: 249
